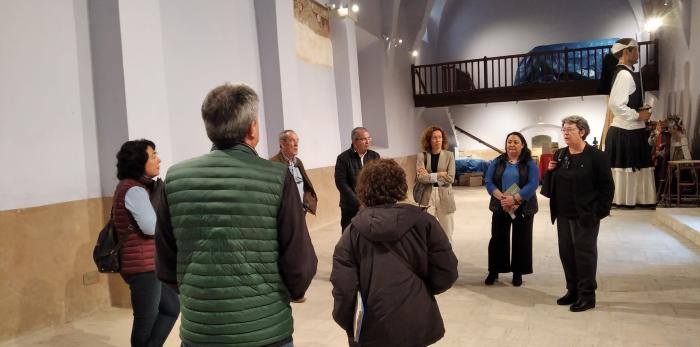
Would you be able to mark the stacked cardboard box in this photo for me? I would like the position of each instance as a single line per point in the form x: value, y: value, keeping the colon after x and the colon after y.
x: 471, y: 179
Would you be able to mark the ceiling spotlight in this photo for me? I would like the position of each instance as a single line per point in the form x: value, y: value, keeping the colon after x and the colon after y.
x: 400, y: 41
x: 653, y: 24
x: 342, y: 11
x: 355, y: 8
x: 332, y: 6
x: 386, y: 37
x: 414, y: 53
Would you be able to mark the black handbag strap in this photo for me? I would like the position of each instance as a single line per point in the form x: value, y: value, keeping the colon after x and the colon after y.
x: 114, y: 229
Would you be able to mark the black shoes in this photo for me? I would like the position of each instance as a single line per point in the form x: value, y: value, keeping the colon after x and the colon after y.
x: 582, y: 305
x: 517, y: 279
x: 491, y: 278
x: 568, y: 299
x: 577, y: 304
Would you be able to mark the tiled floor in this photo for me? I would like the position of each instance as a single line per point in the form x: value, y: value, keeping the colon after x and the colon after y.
x: 648, y: 277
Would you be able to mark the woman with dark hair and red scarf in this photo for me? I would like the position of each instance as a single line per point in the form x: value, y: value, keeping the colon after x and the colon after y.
x: 156, y: 306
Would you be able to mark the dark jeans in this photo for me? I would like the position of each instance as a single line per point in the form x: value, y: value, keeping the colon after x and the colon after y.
x: 346, y: 215
x: 499, y: 246
x: 578, y: 251
x: 156, y: 308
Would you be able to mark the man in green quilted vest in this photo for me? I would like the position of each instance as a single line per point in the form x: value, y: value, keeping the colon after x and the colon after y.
x: 238, y: 250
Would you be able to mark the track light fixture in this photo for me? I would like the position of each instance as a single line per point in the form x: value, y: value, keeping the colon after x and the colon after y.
x: 344, y: 9
x: 394, y: 42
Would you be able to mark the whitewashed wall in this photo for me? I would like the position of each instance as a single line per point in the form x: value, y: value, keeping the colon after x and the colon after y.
x: 474, y: 29
x: 492, y: 122
x: 679, y: 69
x: 47, y: 134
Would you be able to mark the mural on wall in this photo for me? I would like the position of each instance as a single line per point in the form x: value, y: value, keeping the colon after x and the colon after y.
x: 313, y: 32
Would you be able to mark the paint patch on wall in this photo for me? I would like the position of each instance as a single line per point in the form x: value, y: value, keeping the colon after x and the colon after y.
x: 313, y: 34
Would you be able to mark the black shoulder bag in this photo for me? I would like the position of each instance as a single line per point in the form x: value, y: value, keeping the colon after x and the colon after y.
x: 106, y: 251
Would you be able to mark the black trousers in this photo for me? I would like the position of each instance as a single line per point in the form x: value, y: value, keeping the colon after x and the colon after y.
x: 578, y: 251
x: 500, y: 259
x: 346, y: 215
x: 156, y: 308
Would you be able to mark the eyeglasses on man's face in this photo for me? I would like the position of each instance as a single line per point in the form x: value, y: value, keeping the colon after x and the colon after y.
x: 569, y: 130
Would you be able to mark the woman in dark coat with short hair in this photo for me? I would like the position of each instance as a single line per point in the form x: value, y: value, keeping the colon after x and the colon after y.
x: 398, y: 257
x: 580, y: 187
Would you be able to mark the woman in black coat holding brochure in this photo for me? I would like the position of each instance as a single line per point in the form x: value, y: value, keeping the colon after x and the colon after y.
x: 580, y: 188
x: 511, y: 180
x: 398, y: 258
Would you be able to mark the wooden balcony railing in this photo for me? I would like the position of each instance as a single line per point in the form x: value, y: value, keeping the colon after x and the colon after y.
x: 537, y: 75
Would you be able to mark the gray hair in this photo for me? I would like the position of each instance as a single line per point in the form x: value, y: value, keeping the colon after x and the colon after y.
x: 580, y: 123
x: 284, y: 134
x: 355, y: 134
x: 228, y: 111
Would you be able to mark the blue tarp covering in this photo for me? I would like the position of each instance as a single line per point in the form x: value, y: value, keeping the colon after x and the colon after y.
x: 549, y: 69
x: 463, y: 166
